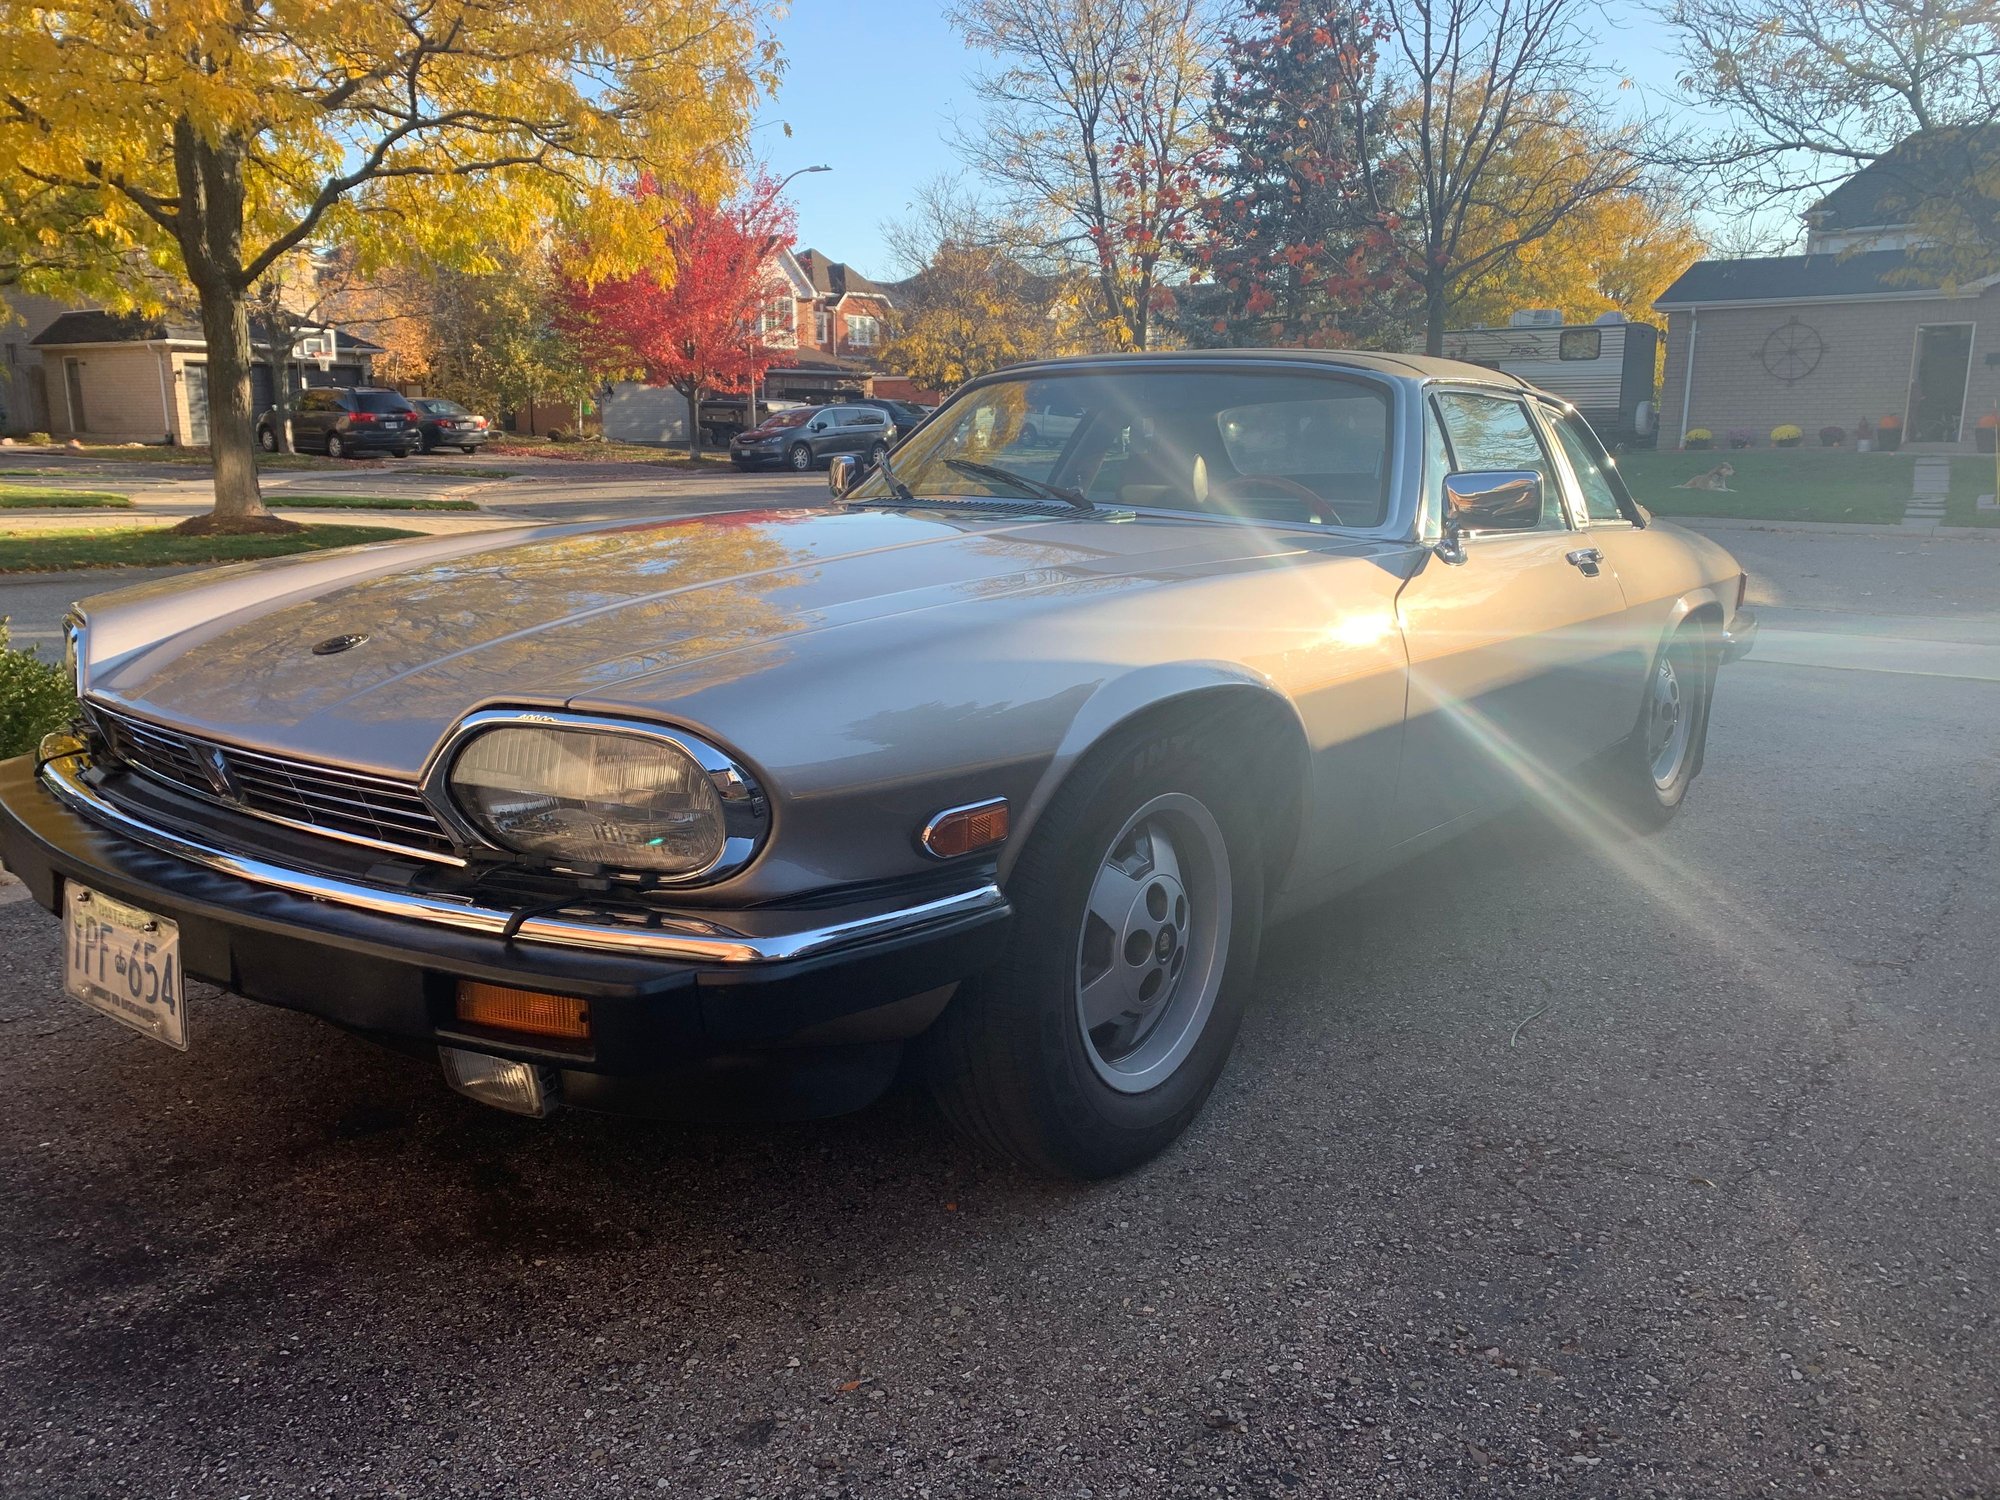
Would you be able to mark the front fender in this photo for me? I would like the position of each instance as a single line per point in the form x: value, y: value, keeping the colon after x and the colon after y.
x: 1123, y: 699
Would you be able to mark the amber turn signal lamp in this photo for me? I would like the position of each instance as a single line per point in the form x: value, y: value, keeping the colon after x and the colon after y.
x: 960, y: 830
x: 529, y: 1011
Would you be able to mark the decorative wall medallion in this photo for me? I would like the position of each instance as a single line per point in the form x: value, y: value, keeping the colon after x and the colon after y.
x: 1792, y: 351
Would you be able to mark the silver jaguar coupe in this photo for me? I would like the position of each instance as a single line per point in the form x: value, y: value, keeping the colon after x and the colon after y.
x: 997, y: 763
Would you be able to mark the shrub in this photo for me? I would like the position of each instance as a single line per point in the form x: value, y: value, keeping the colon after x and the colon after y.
x: 34, y: 698
x: 1741, y: 437
x: 1700, y: 437
x: 1786, y: 435
x: 1832, y: 437
x: 561, y: 435
x: 39, y: 440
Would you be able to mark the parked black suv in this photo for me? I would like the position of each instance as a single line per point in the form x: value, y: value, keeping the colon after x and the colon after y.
x: 904, y: 416
x: 809, y: 436
x: 340, y: 421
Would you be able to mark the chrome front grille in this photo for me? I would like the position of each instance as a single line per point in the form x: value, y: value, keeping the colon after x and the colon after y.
x: 351, y: 805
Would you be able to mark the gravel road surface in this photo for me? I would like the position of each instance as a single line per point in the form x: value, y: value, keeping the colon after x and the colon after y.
x: 1555, y: 1164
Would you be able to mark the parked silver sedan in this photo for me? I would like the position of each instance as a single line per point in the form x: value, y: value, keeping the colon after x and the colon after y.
x: 1001, y: 759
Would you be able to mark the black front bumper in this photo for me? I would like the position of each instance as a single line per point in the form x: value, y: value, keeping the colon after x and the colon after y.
x: 395, y: 979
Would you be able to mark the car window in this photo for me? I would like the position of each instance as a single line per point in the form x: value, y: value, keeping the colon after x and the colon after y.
x: 1596, y: 475
x: 380, y: 401
x: 1299, y: 447
x: 786, y: 418
x: 869, y: 417
x: 1493, y: 432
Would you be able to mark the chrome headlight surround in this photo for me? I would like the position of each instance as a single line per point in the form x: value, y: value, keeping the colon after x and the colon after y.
x: 73, y: 627
x: 746, y: 813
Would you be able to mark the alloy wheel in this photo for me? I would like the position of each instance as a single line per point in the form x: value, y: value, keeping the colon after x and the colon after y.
x: 1668, y: 724
x: 1155, y: 936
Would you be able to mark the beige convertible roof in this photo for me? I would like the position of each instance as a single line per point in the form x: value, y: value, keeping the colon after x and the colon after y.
x: 1415, y: 366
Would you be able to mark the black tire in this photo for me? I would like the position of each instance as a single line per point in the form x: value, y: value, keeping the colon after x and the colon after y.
x: 800, y: 457
x: 1009, y: 1062
x: 267, y: 439
x: 1646, y: 779
x: 470, y: 448
x: 424, y: 442
x: 876, y: 454
x: 335, y: 448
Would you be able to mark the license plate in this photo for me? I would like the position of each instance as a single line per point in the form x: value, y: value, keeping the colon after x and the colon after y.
x: 124, y: 962
x: 393, y: 422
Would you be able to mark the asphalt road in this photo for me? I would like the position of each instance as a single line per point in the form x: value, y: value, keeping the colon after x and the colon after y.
x: 1555, y: 1164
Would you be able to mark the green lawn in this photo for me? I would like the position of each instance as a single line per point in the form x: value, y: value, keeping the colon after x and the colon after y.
x: 1970, y: 478
x: 285, y: 500
x: 46, y: 497
x: 1776, y: 484
x: 137, y: 547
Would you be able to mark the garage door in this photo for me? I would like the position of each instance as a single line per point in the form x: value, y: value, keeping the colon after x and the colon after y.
x: 197, y: 396
x: 334, y: 375
x: 263, y: 393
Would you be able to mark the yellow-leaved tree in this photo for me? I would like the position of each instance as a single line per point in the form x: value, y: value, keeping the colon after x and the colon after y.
x: 214, y: 138
x: 1614, y: 251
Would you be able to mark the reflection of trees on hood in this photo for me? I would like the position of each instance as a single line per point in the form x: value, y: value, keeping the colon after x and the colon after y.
x: 538, y: 619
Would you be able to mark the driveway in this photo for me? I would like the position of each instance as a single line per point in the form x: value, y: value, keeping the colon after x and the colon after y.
x: 1556, y: 1164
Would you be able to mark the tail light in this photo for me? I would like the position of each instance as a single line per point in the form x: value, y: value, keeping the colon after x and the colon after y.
x: 479, y: 421
x: 360, y: 418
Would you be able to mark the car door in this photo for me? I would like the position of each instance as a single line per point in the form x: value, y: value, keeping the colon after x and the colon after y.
x: 870, y: 426
x: 1652, y: 566
x: 1516, y: 653
x: 315, y: 413
x: 823, y: 432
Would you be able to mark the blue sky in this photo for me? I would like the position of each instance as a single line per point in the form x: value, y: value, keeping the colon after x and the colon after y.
x: 872, y: 88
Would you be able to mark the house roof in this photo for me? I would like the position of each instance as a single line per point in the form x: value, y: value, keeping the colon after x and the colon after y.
x: 97, y: 326
x: 832, y: 278
x: 1892, y: 189
x: 1804, y: 278
x: 826, y: 364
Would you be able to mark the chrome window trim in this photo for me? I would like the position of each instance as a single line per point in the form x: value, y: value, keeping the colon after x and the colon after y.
x: 746, y: 811
x: 692, y: 938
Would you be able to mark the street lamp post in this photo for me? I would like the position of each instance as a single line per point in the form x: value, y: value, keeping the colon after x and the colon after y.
x: 764, y: 255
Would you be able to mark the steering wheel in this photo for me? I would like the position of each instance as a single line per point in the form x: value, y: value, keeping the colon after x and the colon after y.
x: 1290, y: 488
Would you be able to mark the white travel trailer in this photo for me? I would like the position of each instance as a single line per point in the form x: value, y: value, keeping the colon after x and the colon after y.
x: 1604, y: 369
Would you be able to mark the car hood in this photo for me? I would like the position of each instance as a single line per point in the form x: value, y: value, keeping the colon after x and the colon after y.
x: 617, y: 613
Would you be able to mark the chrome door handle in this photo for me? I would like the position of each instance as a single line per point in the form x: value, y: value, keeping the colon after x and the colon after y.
x: 1586, y: 559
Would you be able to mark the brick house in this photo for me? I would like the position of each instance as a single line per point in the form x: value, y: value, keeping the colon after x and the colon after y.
x: 1853, y: 329
x: 830, y: 324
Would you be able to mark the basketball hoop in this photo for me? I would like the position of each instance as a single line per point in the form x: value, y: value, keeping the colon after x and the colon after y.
x: 324, y: 360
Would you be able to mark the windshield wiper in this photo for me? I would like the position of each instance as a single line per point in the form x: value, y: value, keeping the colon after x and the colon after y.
x: 1036, y: 487
x: 896, y: 486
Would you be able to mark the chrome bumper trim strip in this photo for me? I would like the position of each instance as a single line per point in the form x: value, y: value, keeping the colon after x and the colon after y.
x: 693, y: 938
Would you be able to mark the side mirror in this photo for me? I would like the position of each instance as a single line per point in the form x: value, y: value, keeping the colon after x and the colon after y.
x: 840, y: 474
x: 818, y: 425
x: 1493, y: 500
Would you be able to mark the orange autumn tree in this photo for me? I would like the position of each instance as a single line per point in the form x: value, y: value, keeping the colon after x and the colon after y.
x: 688, y: 318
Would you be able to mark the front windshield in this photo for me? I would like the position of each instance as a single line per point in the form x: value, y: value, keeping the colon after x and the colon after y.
x: 1297, y: 447
x: 787, y: 418
x: 442, y: 408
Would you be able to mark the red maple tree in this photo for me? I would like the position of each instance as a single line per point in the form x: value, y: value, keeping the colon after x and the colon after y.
x: 690, y: 319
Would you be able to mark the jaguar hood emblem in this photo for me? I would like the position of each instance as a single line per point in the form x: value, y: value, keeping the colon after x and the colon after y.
x: 335, y: 644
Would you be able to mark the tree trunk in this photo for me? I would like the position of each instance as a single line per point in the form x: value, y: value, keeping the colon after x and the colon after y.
x: 1434, y: 310
x: 210, y: 178
x: 692, y: 395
